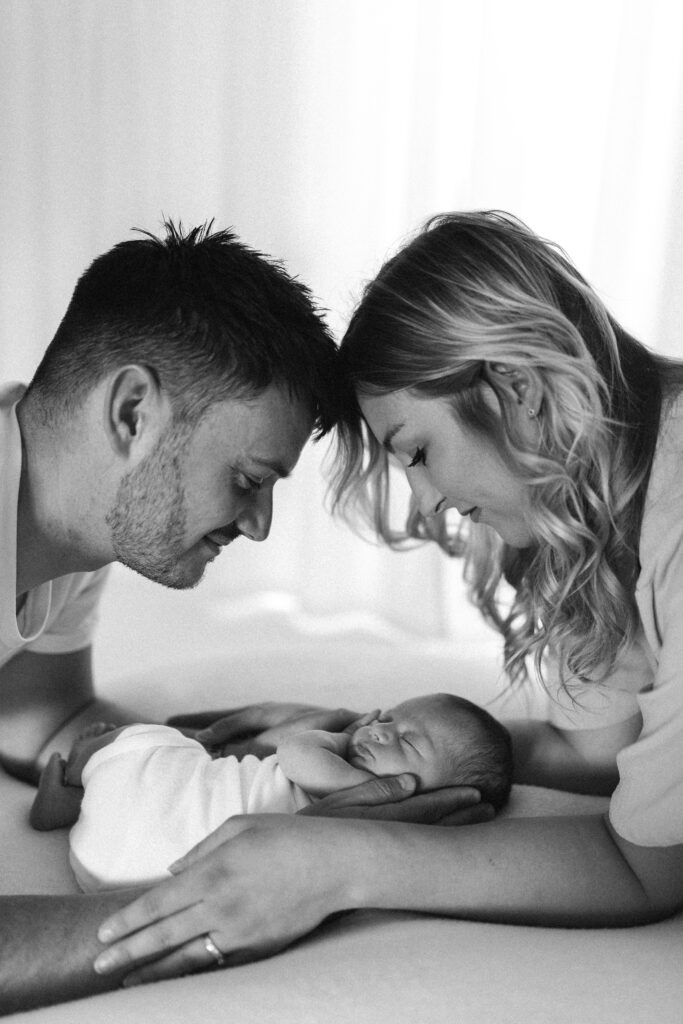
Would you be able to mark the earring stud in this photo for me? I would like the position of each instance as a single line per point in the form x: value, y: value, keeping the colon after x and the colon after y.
x: 531, y: 413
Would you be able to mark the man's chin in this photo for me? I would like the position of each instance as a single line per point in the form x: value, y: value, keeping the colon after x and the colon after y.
x: 174, y: 577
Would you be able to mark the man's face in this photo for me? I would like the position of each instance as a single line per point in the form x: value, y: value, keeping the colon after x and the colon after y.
x: 198, y: 491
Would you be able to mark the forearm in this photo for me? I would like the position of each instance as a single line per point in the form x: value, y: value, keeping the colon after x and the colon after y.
x: 542, y: 757
x: 48, y: 945
x: 541, y: 871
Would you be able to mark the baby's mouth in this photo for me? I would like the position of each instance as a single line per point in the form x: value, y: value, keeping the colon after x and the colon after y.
x: 360, y: 749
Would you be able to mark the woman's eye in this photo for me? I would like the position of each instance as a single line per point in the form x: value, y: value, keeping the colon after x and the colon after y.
x: 417, y: 459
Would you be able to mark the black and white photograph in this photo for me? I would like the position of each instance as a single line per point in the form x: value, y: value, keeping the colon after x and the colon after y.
x: 341, y: 511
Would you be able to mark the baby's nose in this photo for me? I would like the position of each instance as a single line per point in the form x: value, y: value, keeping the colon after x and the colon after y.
x: 375, y: 732
x: 379, y: 732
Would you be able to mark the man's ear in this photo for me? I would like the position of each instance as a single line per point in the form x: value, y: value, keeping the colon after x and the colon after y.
x: 136, y: 411
x: 516, y: 385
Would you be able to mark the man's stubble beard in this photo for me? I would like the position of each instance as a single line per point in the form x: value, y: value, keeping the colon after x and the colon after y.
x: 149, y: 517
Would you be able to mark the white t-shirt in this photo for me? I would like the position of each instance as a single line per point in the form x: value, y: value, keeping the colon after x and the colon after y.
x: 58, y: 616
x: 647, y: 805
x: 152, y: 794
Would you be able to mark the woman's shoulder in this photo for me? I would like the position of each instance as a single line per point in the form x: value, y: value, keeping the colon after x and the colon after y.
x: 661, y: 531
x: 668, y: 455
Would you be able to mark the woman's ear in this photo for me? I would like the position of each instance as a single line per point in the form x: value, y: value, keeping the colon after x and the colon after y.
x: 517, y: 386
x: 136, y: 411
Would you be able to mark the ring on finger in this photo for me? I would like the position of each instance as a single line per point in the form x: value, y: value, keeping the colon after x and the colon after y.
x: 211, y: 948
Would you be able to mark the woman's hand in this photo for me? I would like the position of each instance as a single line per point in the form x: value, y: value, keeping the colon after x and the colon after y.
x: 393, y: 798
x: 258, y: 728
x: 255, y: 885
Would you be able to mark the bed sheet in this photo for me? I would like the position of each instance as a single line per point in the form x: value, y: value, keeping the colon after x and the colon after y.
x: 370, y: 966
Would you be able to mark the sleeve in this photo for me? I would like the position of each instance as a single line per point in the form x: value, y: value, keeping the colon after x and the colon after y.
x: 647, y: 806
x: 73, y: 613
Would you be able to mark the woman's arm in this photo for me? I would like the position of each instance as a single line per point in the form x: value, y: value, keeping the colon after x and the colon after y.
x: 274, y: 878
x: 316, y: 761
x: 577, y: 760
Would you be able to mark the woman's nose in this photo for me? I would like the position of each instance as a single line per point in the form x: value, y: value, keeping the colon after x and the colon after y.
x: 428, y: 498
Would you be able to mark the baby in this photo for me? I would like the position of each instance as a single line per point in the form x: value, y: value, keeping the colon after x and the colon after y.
x: 150, y: 793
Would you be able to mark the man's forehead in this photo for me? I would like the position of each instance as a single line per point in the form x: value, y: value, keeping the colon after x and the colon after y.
x: 270, y: 428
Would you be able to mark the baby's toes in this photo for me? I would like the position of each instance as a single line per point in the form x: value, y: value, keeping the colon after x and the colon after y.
x: 96, y: 729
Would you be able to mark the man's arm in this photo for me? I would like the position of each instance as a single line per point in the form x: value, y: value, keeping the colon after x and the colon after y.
x: 47, y: 700
x: 316, y: 761
x: 48, y: 945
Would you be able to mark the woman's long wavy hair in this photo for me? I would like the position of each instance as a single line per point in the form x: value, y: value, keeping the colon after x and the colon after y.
x: 473, y: 290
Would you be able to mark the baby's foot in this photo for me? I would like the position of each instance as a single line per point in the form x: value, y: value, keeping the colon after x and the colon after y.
x: 56, y: 805
x: 95, y: 729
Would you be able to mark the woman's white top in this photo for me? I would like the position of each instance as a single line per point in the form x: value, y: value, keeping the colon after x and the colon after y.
x: 647, y: 805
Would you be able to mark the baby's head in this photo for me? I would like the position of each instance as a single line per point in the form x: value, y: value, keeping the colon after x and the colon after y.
x: 443, y: 740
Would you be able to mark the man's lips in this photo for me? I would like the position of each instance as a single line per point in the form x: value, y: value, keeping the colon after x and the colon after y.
x: 221, y: 538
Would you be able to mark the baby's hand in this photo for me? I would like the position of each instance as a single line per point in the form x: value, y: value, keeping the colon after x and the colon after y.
x: 365, y: 719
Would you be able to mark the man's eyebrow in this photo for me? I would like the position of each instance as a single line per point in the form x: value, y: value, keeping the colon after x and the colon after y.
x: 391, y: 432
x: 274, y: 465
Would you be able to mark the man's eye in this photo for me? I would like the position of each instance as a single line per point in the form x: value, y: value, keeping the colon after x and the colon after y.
x: 246, y: 483
x: 418, y: 458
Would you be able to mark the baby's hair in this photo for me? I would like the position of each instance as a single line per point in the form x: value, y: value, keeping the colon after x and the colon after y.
x: 486, y: 763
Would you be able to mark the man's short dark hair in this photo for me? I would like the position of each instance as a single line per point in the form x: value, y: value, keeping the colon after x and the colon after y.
x: 209, y: 316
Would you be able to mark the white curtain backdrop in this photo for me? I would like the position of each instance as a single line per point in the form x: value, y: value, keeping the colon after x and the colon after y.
x: 324, y: 131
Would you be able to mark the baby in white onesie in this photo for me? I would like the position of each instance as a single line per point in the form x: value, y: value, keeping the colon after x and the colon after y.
x: 141, y: 796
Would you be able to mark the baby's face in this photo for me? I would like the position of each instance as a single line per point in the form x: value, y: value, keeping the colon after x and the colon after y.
x: 412, y: 737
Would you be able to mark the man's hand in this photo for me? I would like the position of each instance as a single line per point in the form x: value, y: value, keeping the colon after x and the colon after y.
x: 392, y: 799
x: 257, y: 884
x: 258, y: 728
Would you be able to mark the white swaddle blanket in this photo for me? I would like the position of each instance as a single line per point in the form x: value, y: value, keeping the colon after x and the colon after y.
x: 152, y: 794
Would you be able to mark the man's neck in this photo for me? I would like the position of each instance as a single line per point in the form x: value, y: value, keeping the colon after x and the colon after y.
x: 47, y: 545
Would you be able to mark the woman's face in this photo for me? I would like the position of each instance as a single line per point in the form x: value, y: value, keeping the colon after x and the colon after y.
x: 450, y: 466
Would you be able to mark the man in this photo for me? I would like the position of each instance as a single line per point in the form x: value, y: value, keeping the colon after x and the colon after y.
x: 185, y: 378
x: 182, y: 383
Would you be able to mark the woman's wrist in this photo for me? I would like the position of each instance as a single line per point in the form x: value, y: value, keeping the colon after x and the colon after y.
x: 362, y: 851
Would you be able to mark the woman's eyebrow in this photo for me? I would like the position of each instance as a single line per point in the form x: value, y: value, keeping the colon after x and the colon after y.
x: 391, y: 432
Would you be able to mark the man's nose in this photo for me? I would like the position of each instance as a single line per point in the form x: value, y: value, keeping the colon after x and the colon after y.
x: 256, y: 520
x: 428, y: 498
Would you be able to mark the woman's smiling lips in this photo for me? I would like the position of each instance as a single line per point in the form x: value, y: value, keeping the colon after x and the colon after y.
x: 468, y: 511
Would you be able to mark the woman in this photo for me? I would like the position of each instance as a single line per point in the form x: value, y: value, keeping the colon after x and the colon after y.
x: 484, y: 364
